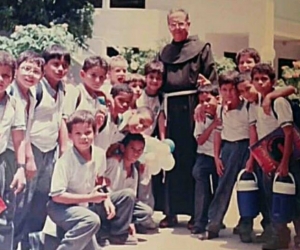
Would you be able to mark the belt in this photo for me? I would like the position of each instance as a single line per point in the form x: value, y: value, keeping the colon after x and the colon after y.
x: 174, y: 94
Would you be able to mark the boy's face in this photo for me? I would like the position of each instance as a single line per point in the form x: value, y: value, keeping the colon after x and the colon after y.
x: 56, y: 69
x: 93, y: 77
x: 209, y: 102
x: 28, y: 74
x: 82, y: 135
x: 117, y: 74
x: 153, y: 81
x: 246, y: 63
x: 122, y: 102
x: 133, y: 151
x: 6, y: 77
x: 139, y: 122
x: 248, y: 91
x: 137, y: 88
x: 229, y: 93
x: 262, y: 83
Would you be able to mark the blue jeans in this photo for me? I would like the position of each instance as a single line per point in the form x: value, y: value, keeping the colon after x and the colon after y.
x: 205, y: 174
x: 31, y: 204
x: 8, y: 196
x: 234, y: 156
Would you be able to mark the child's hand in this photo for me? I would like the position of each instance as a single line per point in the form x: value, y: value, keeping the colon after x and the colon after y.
x: 217, y: 122
x: 283, y: 169
x: 112, y: 151
x: 110, y: 209
x: 96, y: 196
x: 199, y: 113
x: 132, y: 230
x: 19, y: 181
x: 249, y: 166
x: 142, y: 168
x: 100, y: 118
x: 202, y: 80
x: 266, y: 105
x: 31, y: 169
x: 219, y: 166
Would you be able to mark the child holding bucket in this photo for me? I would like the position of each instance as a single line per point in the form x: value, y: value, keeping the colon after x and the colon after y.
x: 263, y: 78
x: 204, y: 169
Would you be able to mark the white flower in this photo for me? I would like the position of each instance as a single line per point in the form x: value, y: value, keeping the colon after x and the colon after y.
x: 134, y: 65
x: 51, y: 24
x: 65, y: 26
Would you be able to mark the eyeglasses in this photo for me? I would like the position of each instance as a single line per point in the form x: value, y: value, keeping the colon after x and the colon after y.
x: 35, y: 72
x: 173, y: 26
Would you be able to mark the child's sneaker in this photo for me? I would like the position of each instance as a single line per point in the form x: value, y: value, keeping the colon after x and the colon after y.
x: 124, y: 239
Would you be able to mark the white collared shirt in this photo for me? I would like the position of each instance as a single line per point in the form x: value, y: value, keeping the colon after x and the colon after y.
x: 47, y: 118
x: 14, y: 90
x: 73, y: 174
x: 208, y: 147
x: 117, y: 175
x: 12, y: 115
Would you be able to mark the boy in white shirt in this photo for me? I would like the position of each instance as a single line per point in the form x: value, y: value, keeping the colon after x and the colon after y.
x: 46, y: 134
x: 29, y: 71
x: 137, y: 83
x: 12, y: 164
x: 73, y: 186
x: 263, y: 78
x: 204, y: 171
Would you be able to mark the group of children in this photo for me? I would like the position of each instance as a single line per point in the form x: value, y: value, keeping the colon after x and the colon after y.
x: 72, y: 152
x: 249, y: 107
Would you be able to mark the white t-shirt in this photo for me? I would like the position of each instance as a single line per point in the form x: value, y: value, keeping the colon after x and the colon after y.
x: 154, y: 104
x: 266, y: 124
x: 12, y: 117
x: 117, y: 175
x: 235, y: 122
x: 208, y: 147
x: 47, y: 117
x: 73, y: 174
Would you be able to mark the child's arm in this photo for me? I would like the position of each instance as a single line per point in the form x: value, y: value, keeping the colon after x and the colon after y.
x: 217, y: 151
x: 30, y: 162
x: 203, y: 137
x: 19, y: 179
x: 252, y: 139
x: 162, y: 125
x: 69, y: 198
x: 63, y: 137
x: 278, y: 92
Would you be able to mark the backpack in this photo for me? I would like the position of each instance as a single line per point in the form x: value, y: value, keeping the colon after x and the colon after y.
x: 295, y: 105
x: 38, y: 94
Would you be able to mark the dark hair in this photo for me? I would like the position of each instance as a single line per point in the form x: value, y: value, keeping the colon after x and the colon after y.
x: 120, y: 87
x: 95, y: 61
x: 208, y: 88
x: 243, y: 77
x: 6, y: 59
x: 154, y: 67
x: 56, y: 51
x: 264, y: 68
x: 81, y: 116
x: 228, y: 77
x: 31, y: 56
x: 135, y: 78
x: 145, y: 109
x: 178, y: 10
x: 251, y: 52
x: 133, y: 137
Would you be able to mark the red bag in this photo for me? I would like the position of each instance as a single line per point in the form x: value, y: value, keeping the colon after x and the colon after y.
x: 3, y: 206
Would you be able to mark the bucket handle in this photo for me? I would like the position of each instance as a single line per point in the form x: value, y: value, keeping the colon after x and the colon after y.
x: 242, y: 172
x: 290, y: 175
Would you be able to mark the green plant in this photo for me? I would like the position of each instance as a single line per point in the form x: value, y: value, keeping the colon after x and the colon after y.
x: 224, y: 64
x: 37, y: 38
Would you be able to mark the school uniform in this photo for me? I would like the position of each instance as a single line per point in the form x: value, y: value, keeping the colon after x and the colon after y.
x: 265, y: 124
x: 205, y: 174
x: 234, y: 155
x: 44, y: 133
x: 12, y: 118
x: 119, y: 180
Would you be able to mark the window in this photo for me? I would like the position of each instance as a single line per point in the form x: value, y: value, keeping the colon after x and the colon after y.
x: 96, y: 3
x: 284, y: 62
x: 140, y: 4
x: 231, y: 55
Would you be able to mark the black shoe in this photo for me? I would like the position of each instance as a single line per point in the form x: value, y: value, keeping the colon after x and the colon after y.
x: 246, y: 237
x: 197, y: 230
x: 208, y: 235
x: 191, y: 223
x: 236, y: 230
x: 223, y: 226
x: 168, y: 221
x: 125, y: 239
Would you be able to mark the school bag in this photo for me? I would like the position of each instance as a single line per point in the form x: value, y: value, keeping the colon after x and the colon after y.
x: 295, y: 105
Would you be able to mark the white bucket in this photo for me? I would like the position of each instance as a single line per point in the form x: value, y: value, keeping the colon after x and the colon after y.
x: 246, y: 185
x: 283, y: 187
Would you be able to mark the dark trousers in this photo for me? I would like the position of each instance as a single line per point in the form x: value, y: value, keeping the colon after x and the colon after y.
x: 206, y: 178
x: 234, y: 156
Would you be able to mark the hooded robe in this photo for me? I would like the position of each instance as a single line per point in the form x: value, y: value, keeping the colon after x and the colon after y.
x: 183, y: 61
